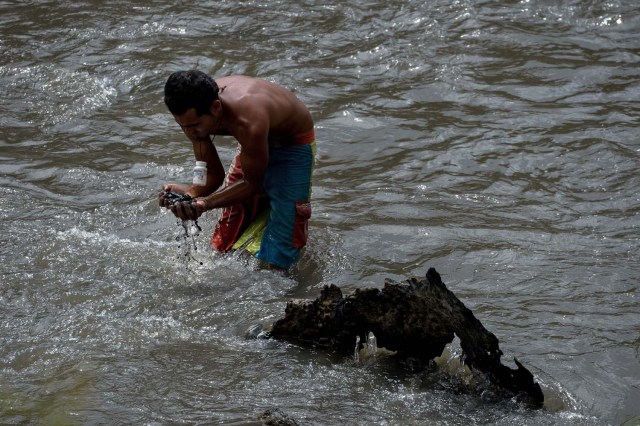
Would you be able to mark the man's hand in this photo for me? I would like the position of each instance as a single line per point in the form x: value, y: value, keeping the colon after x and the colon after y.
x: 190, y: 209
x: 175, y: 198
x: 172, y: 188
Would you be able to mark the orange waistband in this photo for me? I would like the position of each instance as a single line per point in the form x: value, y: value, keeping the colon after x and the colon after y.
x: 305, y: 138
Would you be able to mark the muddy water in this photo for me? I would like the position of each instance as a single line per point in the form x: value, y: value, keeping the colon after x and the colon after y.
x: 497, y: 142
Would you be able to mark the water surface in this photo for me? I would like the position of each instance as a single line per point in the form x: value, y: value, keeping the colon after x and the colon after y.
x: 495, y: 141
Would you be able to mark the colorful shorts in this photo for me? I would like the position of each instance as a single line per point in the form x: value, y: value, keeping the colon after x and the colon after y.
x: 273, y: 225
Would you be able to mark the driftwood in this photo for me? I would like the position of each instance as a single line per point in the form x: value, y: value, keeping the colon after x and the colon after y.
x: 415, y: 319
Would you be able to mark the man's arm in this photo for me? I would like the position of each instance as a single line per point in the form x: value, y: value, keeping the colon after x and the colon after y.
x: 254, y: 158
x: 205, y: 150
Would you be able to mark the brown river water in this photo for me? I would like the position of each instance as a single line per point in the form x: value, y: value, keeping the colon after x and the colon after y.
x: 496, y: 141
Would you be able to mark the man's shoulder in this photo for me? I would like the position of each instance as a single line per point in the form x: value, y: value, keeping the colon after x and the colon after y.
x: 236, y: 78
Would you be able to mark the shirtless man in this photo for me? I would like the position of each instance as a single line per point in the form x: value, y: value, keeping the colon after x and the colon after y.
x: 266, y: 191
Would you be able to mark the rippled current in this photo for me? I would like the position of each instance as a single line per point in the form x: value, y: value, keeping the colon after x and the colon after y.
x: 498, y: 142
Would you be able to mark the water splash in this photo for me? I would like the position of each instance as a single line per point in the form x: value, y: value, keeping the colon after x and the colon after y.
x: 372, y: 345
x: 369, y: 349
x: 188, y: 246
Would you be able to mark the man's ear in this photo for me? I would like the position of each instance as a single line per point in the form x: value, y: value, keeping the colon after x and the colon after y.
x: 215, y: 108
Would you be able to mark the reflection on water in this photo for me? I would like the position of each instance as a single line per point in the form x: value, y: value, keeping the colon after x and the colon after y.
x: 495, y: 142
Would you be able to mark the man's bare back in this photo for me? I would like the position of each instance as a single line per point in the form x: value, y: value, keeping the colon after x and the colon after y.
x: 245, y: 97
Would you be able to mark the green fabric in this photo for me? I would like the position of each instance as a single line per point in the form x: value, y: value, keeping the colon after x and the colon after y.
x: 252, y: 236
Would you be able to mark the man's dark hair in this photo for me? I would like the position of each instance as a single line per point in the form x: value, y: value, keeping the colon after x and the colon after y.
x: 190, y: 89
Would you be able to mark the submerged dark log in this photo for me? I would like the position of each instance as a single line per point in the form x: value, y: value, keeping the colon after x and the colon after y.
x: 416, y: 319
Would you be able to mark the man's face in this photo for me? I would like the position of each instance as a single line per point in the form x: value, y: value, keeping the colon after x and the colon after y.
x: 194, y: 125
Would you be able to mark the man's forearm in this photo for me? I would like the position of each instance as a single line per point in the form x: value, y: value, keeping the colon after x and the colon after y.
x: 230, y: 195
x: 196, y: 191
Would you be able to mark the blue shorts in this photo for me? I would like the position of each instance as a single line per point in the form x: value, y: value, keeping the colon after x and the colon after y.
x: 274, y: 234
x: 287, y: 183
